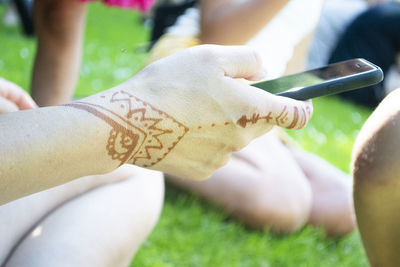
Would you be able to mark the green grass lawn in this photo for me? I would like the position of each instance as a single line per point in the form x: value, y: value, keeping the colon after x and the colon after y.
x: 192, y: 232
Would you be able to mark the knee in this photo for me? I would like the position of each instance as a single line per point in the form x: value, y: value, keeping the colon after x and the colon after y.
x: 289, y: 215
x: 151, y: 185
x: 376, y: 154
x: 283, y: 212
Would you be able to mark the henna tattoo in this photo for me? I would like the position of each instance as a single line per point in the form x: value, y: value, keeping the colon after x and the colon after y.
x: 304, y: 118
x: 213, y: 125
x: 282, y: 117
x: 143, y: 135
x: 295, y: 119
x: 254, y: 119
x: 280, y: 120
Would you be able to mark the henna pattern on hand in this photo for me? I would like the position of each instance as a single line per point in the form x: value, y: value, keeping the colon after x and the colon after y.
x: 280, y: 120
x: 303, y: 119
x: 295, y: 119
x: 142, y: 135
x: 282, y: 117
x: 254, y: 119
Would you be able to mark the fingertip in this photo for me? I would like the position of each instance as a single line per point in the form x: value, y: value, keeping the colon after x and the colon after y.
x: 26, y: 102
x: 305, y: 114
x: 290, y: 113
x: 309, y: 108
x: 33, y: 103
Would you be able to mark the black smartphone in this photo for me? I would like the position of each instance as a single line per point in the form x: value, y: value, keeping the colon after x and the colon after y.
x: 331, y: 79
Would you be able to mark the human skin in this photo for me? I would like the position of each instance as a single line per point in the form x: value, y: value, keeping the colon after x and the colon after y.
x: 376, y: 172
x: 59, y: 26
x: 13, y: 97
x: 185, y: 121
x: 267, y: 184
x: 66, y: 215
x: 91, y: 221
x: 230, y: 22
x: 270, y: 184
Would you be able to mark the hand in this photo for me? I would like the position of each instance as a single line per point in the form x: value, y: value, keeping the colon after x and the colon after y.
x: 218, y: 114
x: 13, y: 97
x: 185, y: 114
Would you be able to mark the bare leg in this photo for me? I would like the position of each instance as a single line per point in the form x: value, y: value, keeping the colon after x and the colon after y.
x: 270, y: 184
x: 59, y: 25
x: 24, y: 213
x: 67, y: 223
x: 376, y: 170
x: 332, y: 206
x: 262, y: 186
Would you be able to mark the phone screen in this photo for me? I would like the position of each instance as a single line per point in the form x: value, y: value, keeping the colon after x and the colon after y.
x: 343, y: 71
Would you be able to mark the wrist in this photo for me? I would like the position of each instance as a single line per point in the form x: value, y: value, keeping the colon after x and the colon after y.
x: 138, y: 132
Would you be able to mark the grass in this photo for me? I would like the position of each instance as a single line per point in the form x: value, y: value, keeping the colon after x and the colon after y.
x: 192, y: 232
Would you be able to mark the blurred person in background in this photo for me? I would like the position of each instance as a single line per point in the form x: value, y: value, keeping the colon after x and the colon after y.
x: 360, y: 29
x: 303, y: 187
x: 289, y: 187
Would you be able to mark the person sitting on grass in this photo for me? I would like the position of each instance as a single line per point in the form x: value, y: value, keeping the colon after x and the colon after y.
x: 308, y: 189
x: 281, y: 188
x: 170, y: 118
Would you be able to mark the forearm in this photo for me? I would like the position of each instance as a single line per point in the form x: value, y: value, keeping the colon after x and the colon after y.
x: 236, y: 22
x: 46, y: 147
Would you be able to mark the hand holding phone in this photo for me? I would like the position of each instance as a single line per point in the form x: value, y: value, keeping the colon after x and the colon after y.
x: 331, y: 79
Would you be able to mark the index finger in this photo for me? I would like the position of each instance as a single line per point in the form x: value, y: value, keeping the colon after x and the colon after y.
x: 259, y: 108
